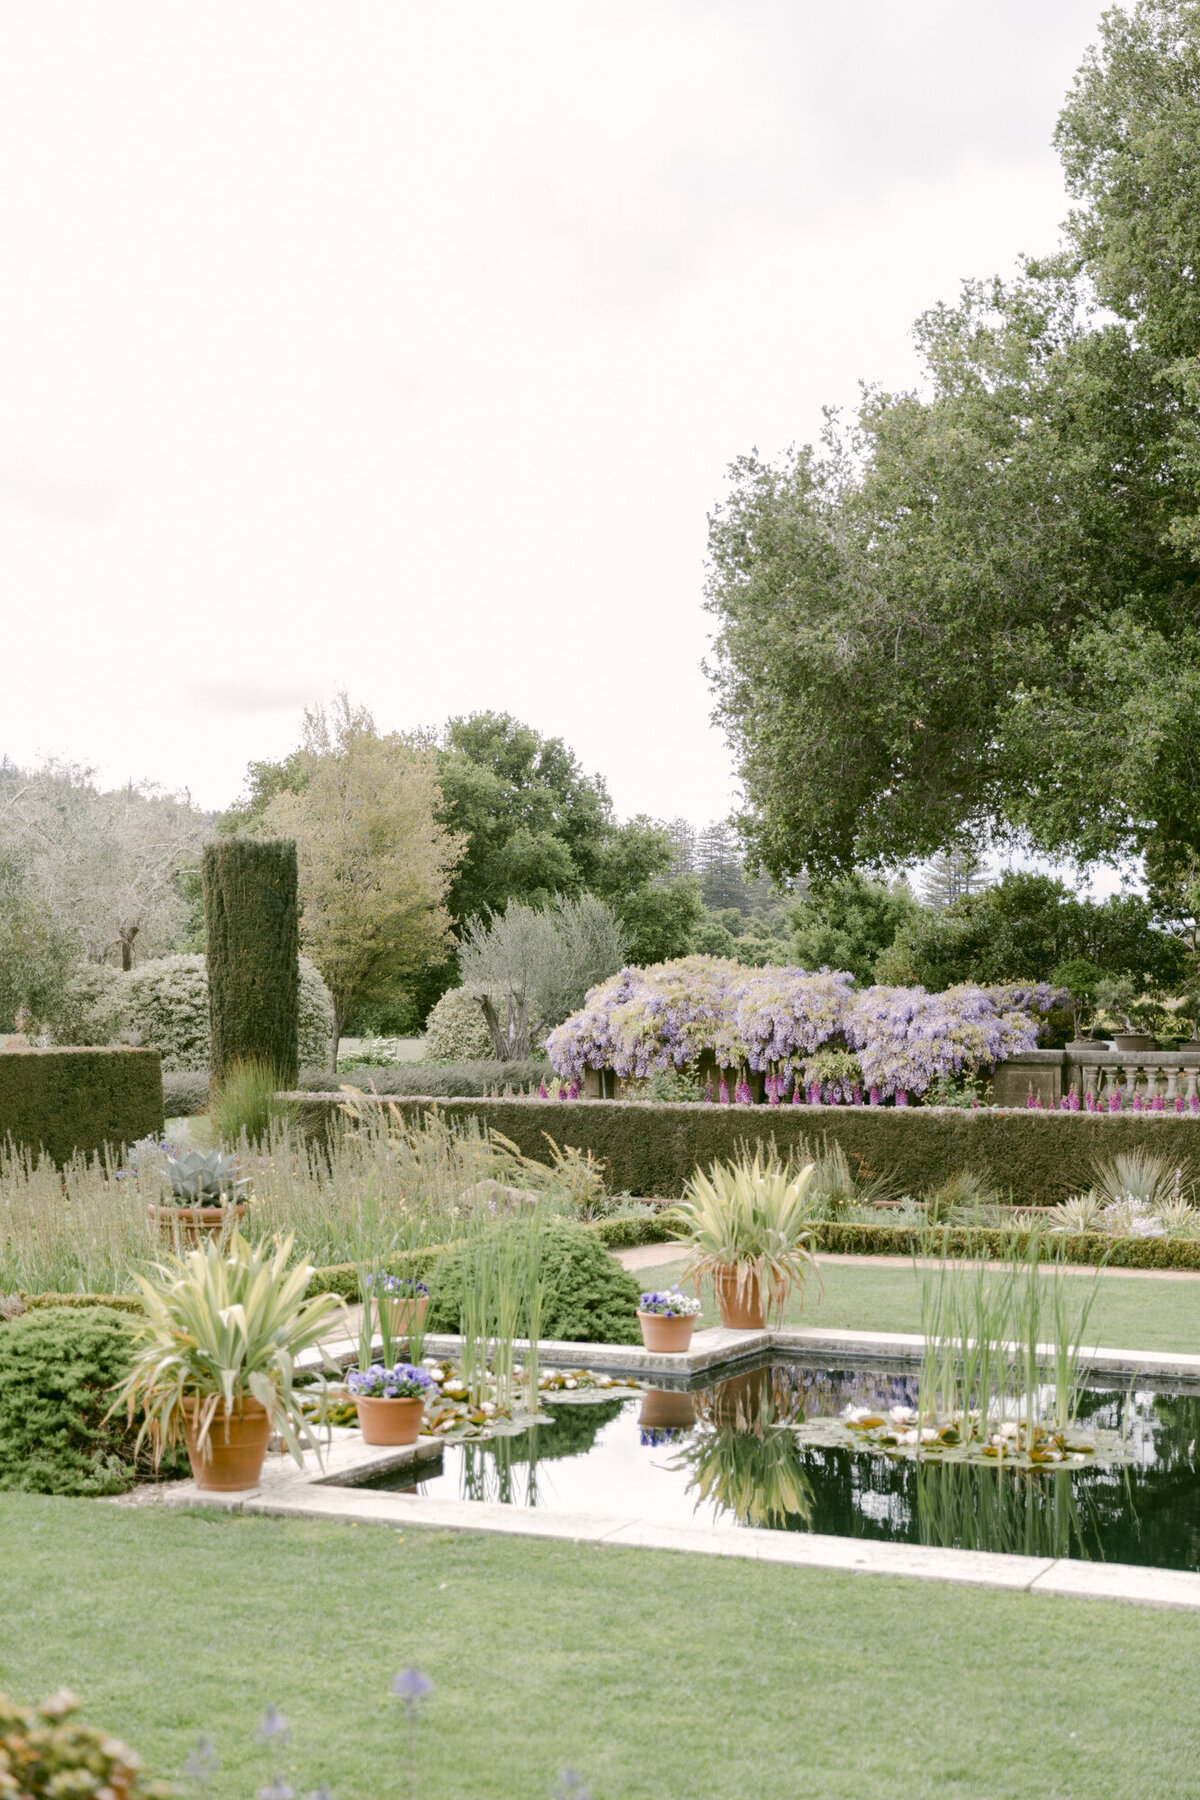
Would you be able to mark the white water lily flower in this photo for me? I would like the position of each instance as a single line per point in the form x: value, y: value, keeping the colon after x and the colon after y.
x: 570, y: 1382
x: 907, y: 1437
x: 928, y: 1434
x: 904, y: 1415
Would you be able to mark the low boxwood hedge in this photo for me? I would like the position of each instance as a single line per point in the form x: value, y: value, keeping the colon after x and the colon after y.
x: 1034, y: 1158
x: 64, y: 1100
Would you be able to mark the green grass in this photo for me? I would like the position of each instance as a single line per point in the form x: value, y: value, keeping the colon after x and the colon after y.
x: 1131, y: 1312
x: 650, y: 1674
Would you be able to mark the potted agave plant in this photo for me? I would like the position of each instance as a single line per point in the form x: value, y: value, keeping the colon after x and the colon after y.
x: 214, y: 1357
x: 205, y: 1186
x: 390, y: 1402
x: 747, y: 1226
x: 667, y: 1319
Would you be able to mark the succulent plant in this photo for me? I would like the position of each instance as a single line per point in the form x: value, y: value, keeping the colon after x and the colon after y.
x: 204, y: 1177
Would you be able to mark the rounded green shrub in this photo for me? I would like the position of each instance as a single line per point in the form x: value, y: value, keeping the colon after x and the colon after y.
x: 163, y: 1005
x: 456, y: 1030
x: 589, y: 1298
x: 58, y: 1369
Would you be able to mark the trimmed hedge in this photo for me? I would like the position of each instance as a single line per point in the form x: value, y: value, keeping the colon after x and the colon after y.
x: 1035, y: 1157
x: 252, y: 940
x: 1087, y: 1247
x: 65, y: 1100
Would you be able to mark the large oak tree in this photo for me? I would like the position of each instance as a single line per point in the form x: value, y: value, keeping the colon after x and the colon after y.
x: 976, y: 609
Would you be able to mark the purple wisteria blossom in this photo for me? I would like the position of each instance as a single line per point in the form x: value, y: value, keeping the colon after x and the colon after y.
x: 775, y: 1020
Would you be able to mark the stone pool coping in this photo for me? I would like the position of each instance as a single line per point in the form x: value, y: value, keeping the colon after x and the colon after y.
x: 716, y: 1346
x: 328, y: 1490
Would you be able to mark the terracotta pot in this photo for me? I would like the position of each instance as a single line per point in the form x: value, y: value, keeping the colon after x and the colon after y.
x: 742, y: 1309
x: 195, y: 1224
x: 665, y: 1407
x: 389, y: 1421
x: 661, y: 1333
x: 404, y: 1315
x: 234, y: 1448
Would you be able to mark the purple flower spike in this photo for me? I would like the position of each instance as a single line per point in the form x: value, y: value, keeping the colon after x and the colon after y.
x: 873, y: 1097
x: 901, y: 1096
x: 412, y: 1687
x: 569, y: 1786
x: 1194, y: 1103
x: 272, y: 1726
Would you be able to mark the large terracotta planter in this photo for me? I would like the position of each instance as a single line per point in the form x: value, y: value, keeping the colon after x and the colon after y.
x: 670, y: 1334
x: 234, y: 1448
x: 404, y: 1316
x: 664, y: 1407
x: 194, y: 1225
x: 389, y: 1422
x: 742, y: 1308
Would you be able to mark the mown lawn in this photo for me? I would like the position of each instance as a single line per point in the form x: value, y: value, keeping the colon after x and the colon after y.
x: 1130, y: 1312
x: 655, y: 1676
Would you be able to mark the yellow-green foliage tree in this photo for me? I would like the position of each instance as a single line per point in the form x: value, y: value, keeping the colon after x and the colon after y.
x: 375, y: 864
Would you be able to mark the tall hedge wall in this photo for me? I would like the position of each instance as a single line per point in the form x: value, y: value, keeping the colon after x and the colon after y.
x: 1034, y: 1157
x: 252, y: 933
x: 67, y: 1100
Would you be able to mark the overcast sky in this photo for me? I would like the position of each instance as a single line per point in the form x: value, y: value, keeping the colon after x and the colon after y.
x: 404, y: 347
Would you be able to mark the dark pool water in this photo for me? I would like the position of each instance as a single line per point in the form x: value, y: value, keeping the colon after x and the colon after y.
x: 715, y: 1454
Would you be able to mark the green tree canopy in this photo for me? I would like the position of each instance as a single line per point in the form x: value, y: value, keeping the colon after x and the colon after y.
x: 845, y: 924
x: 975, y: 609
x: 1024, y: 929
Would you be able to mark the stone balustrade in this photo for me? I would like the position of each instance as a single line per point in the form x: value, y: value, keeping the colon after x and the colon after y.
x: 1094, y: 1069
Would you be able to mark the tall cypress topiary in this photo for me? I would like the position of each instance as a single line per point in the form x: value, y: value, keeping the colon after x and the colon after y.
x: 252, y: 930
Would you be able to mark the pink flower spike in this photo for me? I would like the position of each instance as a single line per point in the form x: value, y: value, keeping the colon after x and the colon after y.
x: 856, y: 1097
x: 1194, y: 1103
x: 873, y: 1097
x: 1114, y: 1100
x: 1137, y: 1103
x: 901, y: 1096
x: 1074, y: 1100
x: 723, y: 1091
x: 797, y: 1095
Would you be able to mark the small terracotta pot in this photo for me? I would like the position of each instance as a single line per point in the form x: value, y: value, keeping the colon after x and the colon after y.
x: 665, y: 1407
x: 404, y: 1316
x: 195, y: 1224
x: 742, y: 1308
x: 389, y: 1421
x: 234, y: 1448
x: 661, y: 1333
